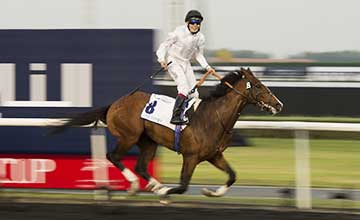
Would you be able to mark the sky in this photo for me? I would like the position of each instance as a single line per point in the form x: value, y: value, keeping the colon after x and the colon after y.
x: 277, y: 27
x: 283, y: 27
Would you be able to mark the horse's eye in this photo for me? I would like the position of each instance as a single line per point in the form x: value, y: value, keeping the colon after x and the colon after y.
x: 257, y: 85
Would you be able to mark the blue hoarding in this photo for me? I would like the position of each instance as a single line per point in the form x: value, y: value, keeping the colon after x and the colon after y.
x: 44, y: 64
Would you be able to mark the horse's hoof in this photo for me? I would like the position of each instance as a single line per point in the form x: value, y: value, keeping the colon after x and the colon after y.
x: 133, y: 188
x: 153, y: 187
x: 165, y: 200
x: 218, y: 193
x: 162, y: 191
x: 132, y: 192
x: 208, y: 192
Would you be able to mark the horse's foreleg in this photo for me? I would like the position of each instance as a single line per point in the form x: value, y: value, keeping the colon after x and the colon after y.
x: 220, y: 162
x: 188, y: 167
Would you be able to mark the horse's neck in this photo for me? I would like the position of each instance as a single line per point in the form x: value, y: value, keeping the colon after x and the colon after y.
x: 220, y: 116
x: 230, y: 111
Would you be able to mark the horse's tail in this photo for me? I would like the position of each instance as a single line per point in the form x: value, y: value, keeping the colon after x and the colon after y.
x: 85, y: 118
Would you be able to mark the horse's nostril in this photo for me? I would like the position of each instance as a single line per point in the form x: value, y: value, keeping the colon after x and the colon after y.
x: 279, y: 106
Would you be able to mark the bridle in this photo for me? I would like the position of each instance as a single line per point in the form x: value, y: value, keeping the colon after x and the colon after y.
x: 250, y: 96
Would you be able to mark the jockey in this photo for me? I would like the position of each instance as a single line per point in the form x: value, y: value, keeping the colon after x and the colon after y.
x: 183, y: 44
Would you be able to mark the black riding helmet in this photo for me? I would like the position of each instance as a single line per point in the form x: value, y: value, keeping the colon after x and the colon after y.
x: 193, y: 14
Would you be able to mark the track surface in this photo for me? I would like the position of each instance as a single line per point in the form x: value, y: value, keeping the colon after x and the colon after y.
x: 15, y: 210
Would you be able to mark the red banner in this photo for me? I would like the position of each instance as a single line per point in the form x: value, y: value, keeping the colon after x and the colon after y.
x: 63, y: 171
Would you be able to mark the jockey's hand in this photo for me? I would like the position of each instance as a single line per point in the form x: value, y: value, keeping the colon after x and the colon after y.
x: 210, y: 70
x: 164, y: 65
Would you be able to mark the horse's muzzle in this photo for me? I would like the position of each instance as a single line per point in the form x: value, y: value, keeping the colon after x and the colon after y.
x: 278, y: 107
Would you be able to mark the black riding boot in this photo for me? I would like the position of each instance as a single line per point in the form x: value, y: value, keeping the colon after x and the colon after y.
x: 178, y: 108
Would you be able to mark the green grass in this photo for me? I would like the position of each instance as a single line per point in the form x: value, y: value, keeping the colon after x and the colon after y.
x: 270, y: 162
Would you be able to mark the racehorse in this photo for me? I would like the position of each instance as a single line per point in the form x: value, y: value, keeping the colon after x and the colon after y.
x: 204, y: 139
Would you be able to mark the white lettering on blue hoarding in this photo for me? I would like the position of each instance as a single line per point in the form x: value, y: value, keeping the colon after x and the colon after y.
x: 76, y: 86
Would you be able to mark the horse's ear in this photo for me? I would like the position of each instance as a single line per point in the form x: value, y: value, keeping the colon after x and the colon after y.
x: 242, y: 71
x: 249, y: 71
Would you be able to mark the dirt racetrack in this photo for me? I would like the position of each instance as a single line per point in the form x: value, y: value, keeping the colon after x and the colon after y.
x: 25, y: 210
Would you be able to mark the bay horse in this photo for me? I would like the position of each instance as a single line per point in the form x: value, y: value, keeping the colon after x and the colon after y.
x: 204, y: 139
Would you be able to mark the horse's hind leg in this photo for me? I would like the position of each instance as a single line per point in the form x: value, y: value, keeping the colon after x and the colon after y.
x: 115, y: 158
x: 147, y: 152
x: 220, y: 162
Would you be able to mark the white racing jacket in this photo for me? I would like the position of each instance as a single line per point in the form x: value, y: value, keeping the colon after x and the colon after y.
x: 182, y: 45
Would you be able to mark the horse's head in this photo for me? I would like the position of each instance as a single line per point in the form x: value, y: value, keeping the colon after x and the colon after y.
x: 250, y: 88
x: 257, y: 93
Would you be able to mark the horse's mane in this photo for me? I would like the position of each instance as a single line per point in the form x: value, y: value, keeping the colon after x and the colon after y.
x: 221, y: 89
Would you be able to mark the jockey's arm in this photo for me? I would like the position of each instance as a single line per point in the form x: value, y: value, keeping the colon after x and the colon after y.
x: 164, y: 47
x: 200, y: 58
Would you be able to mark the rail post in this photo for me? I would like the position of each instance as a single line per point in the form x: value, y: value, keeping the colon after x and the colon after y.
x: 100, y: 163
x: 302, y: 166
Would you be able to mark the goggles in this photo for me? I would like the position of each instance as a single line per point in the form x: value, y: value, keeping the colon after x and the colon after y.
x: 195, y: 21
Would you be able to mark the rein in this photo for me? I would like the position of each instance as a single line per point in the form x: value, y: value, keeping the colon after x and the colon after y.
x: 254, y: 97
x: 229, y: 85
x: 216, y: 75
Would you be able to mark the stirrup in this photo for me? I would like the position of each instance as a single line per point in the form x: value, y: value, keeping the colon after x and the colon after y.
x: 177, y: 121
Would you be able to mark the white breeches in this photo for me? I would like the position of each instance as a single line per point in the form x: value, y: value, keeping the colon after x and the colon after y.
x: 183, y: 75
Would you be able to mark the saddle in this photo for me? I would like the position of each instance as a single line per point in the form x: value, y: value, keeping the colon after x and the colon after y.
x: 159, y: 110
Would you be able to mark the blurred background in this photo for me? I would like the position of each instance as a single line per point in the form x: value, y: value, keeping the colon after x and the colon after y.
x: 59, y: 58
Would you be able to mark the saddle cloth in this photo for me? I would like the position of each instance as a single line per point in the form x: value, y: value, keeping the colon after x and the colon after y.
x: 159, y: 110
